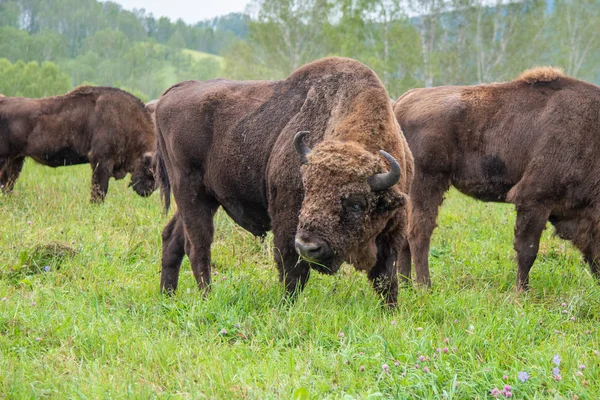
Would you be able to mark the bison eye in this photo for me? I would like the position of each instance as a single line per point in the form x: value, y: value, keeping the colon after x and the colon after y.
x: 355, y: 204
x: 356, y: 207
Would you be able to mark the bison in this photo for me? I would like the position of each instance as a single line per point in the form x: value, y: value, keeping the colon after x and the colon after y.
x: 318, y: 158
x: 532, y: 142
x: 106, y: 127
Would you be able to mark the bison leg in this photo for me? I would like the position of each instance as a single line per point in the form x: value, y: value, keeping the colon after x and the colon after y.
x: 383, y: 275
x: 404, y: 262
x: 100, y: 177
x: 530, y: 224
x: 9, y: 173
x: 199, y: 229
x: 426, y: 196
x: 594, y: 264
x: 173, y: 250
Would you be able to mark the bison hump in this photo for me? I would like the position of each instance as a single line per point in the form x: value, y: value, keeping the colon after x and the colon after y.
x: 541, y: 74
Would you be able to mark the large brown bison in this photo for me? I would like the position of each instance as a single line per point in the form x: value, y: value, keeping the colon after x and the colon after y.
x: 306, y: 157
x: 106, y: 127
x: 533, y: 142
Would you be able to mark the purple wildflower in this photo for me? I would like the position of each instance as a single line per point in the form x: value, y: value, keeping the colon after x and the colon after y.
x: 495, y: 393
x: 393, y: 322
x: 425, y: 369
x: 445, y: 350
x: 47, y: 268
x: 508, y: 394
x: 341, y: 334
x: 385, y: 368
x: 582, y: 367
x: 396, y: 363
x: 556, y: 359
x: 564, y: 311
x: 421, y: 358
x: 446, y: 340
x: 505, y: 377
x: 507, y: 388
x: 523, y: 376
x: 4, y: 298
x: 563, y: 304
x: 223, y: 331
x: 573, y: 319
x: 38, y: 339
x: 557, y: 377
x: 555, y: 371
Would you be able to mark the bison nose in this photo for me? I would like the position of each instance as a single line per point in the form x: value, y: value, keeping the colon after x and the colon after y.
x: 312, y: 249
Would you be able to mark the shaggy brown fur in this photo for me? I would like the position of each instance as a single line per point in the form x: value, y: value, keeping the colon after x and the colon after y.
x: 541, y: 74
x: 106, y: 127
x: 229, y: 144
x: 532, y: 142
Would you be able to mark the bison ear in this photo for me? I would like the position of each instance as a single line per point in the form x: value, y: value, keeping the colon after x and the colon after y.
x: 390, y: 201
x: 301, y: 148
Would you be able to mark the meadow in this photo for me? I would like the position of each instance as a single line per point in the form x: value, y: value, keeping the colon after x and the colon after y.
x: 81, y: 315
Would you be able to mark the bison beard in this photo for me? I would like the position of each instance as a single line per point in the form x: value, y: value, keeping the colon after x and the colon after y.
x: 532, y: 142
x: 231, y: 144
x: 106, y: 127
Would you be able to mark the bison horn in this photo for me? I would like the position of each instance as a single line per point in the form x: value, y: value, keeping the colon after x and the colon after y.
x: 387, y: 179
x: 301, y: 148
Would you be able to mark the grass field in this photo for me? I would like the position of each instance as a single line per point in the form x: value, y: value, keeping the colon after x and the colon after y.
x: 81, y: 315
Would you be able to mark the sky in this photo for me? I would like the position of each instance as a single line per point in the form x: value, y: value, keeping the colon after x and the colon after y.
x: 190, y: 11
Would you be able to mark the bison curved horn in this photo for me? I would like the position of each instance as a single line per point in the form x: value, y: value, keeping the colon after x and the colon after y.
x: 301, y: 148
x: 387, y: 179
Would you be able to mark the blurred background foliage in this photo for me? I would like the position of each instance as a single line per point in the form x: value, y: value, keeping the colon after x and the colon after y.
x: 50, y: 46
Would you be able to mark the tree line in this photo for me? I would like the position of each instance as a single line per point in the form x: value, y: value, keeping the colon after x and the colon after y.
x: 409, y: 43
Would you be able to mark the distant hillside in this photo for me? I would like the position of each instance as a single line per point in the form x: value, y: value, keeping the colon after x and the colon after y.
x: 101, y: 43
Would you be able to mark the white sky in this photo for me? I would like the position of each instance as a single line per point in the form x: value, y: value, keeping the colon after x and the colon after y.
x: 189, y: 10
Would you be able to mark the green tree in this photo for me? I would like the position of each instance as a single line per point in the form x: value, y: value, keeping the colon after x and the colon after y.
x: 32, y: 79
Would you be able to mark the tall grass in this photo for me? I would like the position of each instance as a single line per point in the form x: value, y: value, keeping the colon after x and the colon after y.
x: 81, y: 315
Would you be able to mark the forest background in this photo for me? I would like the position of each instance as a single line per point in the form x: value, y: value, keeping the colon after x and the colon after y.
x: 50, y: 46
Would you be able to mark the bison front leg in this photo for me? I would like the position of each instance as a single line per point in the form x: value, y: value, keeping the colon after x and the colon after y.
x: 102, y: 171
x: 383, y: 275
x: 173, y: 250
x: 426, y: 197
x: 9, y: 173
x: 198, y: 217
x: 531, y: 221
x: 404, y: 262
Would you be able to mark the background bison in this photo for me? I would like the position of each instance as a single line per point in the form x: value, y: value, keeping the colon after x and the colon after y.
x: 532, y: 142
x: 234, y: 144
x: 106, y: 127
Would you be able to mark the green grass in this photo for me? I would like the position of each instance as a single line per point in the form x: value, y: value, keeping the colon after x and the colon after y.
x: 95, y: 325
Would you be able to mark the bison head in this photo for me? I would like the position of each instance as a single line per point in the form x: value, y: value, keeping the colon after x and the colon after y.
x: 350, y: 194
x: 142, y: 178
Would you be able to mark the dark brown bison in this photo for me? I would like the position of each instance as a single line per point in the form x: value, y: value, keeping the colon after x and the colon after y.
x: 106, y: 127
x: 303, y: 157
x: 533, y: 142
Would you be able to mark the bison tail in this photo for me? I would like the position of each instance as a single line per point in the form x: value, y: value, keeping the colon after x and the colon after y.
x: 162, y: 176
